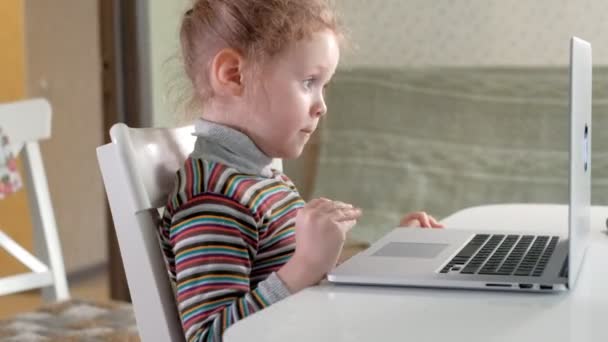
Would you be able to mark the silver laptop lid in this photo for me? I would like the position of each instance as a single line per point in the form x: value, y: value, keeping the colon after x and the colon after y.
x: 580, y: 154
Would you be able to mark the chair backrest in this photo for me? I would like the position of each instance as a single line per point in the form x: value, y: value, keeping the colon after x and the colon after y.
x: 37, y: 126
x: 26, y: 123
x: 138, y: 170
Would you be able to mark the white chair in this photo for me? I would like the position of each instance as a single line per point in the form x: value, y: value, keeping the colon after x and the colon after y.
x: 26, y: 123
x: 138, y: 169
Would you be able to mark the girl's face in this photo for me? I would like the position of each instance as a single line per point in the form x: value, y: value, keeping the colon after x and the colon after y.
x: 289, y: 100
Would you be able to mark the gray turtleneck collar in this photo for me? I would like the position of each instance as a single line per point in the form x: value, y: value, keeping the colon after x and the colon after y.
x: 230, y: 147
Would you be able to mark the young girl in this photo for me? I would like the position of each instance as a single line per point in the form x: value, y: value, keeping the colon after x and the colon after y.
x: 236, y: 233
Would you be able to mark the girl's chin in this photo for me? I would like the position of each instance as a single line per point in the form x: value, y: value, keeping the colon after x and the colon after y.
x: 292, y: 149
x: 293, y: 152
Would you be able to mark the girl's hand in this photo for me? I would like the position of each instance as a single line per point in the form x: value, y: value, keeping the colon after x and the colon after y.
x: 420, y: 219
x: 321, y: 227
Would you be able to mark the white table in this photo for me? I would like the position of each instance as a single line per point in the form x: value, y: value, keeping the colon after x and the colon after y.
x: 357, y: 313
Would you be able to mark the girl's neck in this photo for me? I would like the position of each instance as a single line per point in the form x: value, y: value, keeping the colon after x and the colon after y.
x: 230, y: 147
x: 237, y: 116
x: 227, y: 115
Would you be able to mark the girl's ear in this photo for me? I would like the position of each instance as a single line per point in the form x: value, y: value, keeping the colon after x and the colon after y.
x: 227, y: 73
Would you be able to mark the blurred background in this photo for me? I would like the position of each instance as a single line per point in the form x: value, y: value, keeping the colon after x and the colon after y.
x: 436, y: 106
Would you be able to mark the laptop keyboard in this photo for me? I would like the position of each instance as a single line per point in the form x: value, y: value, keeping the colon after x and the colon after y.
x: 498, y: 254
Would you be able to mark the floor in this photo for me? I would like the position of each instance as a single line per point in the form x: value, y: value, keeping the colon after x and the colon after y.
x: 90, y: 287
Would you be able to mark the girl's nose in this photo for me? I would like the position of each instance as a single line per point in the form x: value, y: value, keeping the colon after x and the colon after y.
x: 319, y: 109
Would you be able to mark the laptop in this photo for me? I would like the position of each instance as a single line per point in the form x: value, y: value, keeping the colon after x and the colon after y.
x: 494, y: 260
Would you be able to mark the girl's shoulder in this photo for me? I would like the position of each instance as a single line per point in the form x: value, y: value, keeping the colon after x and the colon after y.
x: 200, y: 177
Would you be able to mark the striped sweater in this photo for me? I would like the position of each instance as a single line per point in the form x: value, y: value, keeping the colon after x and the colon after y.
x: 227, y: 228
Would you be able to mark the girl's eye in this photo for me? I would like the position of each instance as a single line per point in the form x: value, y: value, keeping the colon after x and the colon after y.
x: 309, y: 83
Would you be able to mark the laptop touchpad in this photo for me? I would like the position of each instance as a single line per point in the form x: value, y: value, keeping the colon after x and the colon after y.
x: 411, y: 250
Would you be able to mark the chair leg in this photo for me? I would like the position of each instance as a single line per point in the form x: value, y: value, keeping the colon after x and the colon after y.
x: 46, y: 238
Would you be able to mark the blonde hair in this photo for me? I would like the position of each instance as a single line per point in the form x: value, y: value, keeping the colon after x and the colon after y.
x: 257, y: 29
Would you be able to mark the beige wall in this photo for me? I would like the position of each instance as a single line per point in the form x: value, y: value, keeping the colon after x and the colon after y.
x: 471, y: 32
x: 64, y: 65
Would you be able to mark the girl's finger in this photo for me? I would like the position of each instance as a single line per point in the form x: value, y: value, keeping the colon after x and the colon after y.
x: 346, y: 226
x: 315, y: 203
x: 411, y: 223
x: 419, y: 216
x: 408, y: 219
x: 328, y: 206
x: 435, y: 223
x: 347, y: 214
x: 341, y: 205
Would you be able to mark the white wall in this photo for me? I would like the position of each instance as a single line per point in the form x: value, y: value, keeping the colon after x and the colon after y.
x: 422, y: 33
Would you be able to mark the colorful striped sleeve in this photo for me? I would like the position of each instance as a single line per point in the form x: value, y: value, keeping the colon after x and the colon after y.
x: 214, y: 241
